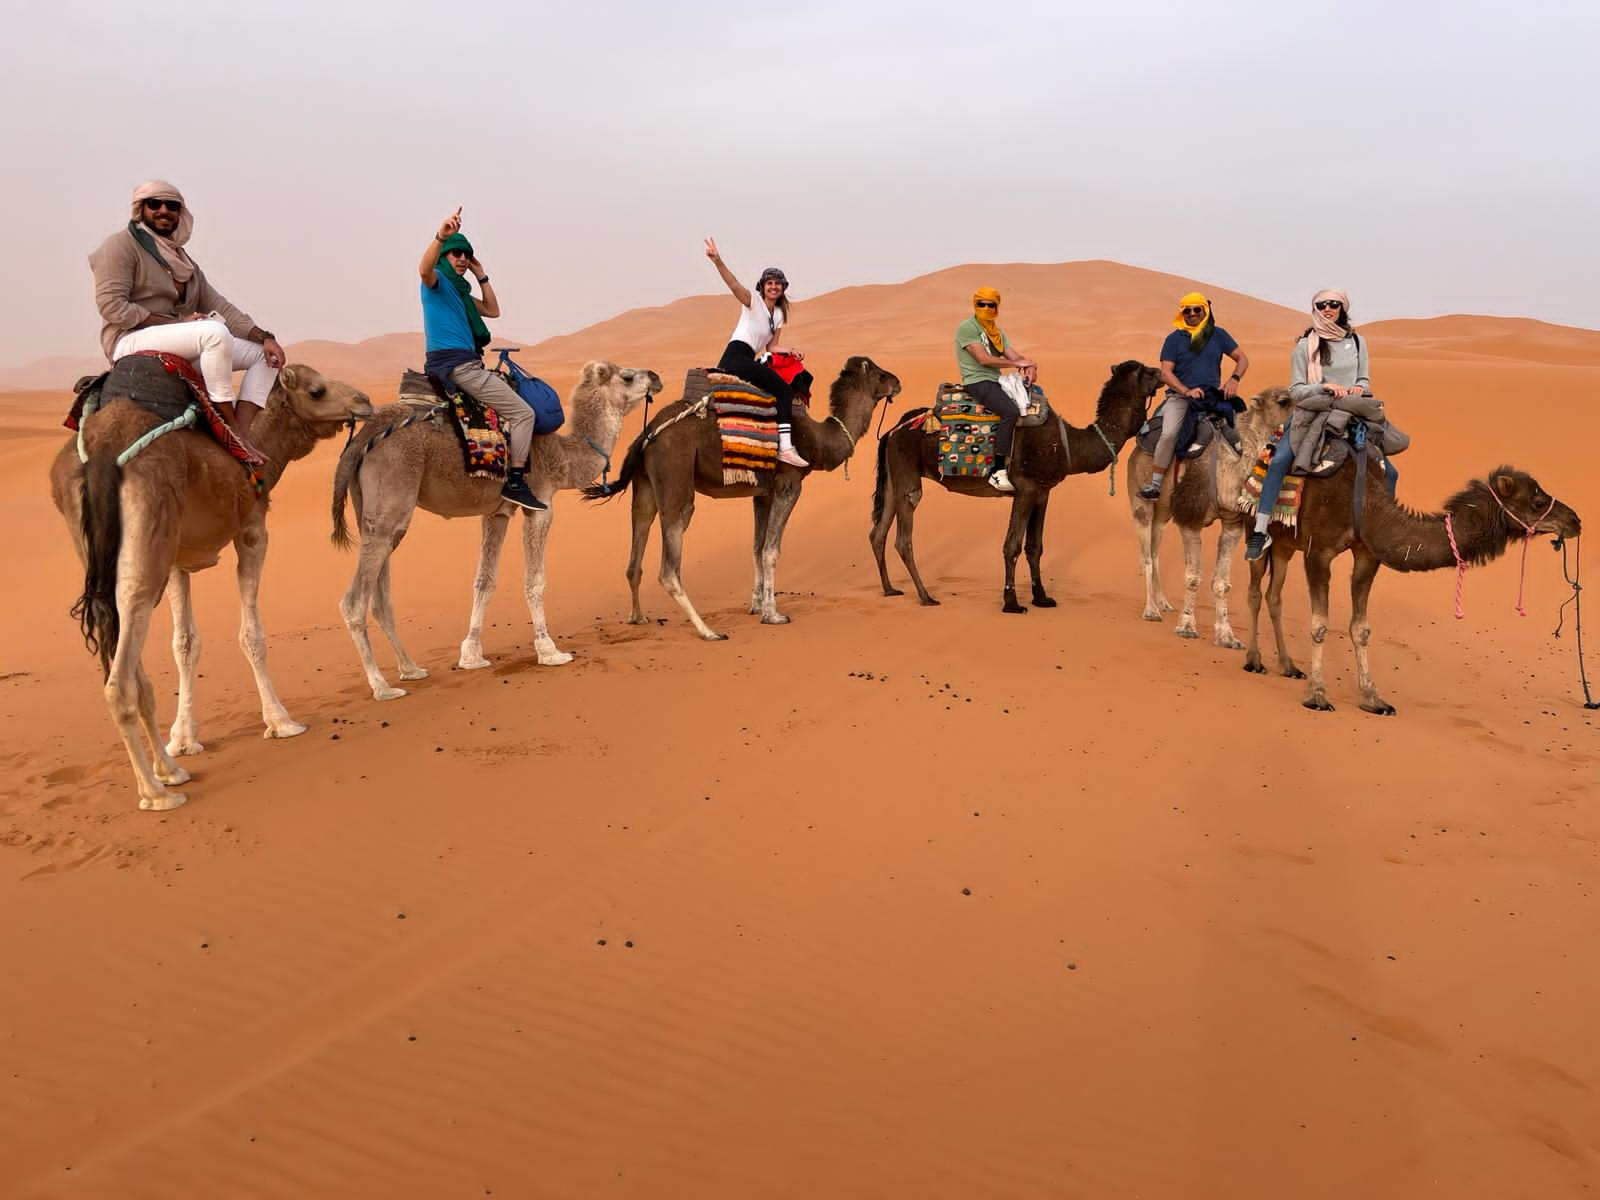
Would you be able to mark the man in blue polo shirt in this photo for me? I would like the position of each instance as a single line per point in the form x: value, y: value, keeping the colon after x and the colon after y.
x: 455, y: 335
x: 1191, y: 361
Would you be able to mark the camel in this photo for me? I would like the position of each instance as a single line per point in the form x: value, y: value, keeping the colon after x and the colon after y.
x: 170, y: 511
x: 1480, y: 520
x: 420, y: 466
x: 1041, y: 457
x: 681, y: 454
x: 1205, y: 492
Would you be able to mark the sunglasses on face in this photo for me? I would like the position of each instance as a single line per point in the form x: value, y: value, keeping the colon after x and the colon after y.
x: 1325, y: 304
x: 457, y: 254
x: 170, y: 205
x: 987, y: 304
x: 1192, y: 311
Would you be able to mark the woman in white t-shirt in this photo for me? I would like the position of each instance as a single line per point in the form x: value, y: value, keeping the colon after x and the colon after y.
x: 756, y: 334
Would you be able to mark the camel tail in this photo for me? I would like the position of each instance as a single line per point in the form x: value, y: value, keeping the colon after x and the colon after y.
x: 96, y: 609
x: 880, y: 488
x: 630, y: 468
x: 349, y: 464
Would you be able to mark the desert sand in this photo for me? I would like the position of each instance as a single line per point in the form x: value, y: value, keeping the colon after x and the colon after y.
x: 889, y: 902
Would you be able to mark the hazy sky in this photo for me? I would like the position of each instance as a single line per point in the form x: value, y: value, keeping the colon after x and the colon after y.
x: 1427, y: 157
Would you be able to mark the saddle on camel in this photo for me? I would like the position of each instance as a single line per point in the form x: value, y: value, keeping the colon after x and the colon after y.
x: 720, y: 441
x: 153, y: 486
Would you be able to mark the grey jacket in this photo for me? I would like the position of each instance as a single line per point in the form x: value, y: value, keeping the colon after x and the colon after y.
x: 133, y: 288
x: 1346, y: 366
x: 1326, y: 415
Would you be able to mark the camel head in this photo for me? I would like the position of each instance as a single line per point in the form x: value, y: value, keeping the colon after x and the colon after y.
x: 322, y: 403
x: 1523, y: 502
x: 620, y: 389
x: 861, y: 375
x: 1270, y: 408
x: 1125, y: 398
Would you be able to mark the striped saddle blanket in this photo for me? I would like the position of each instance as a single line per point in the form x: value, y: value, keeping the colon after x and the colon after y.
x: 476, y: 425
x: 966, y: 432
x: 1287, y: 510
x: 747, y: 422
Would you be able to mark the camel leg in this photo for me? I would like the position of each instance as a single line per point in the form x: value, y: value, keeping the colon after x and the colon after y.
x: 644, y: 512
x: 1318, y: 571
x: 677, y: 509
x: 1366, y: 570
x: 251, y: 548
x: 1282, y: 554
x: 1222, y: 583
x: 763, y: 514
x: 1021, y: 510
x: 1144, y: 515
x: 165, y: 767
x: 880, y: 532
x: 1158, y: 526
x: 535, y: 534
x: 905, y: 507
x: 1035, y: 551
x: 494, y: 540
x: 784, y: 498
x: 184, y: 737
x: 1191, y: 581
x: 383, y: 610
x: 1252, y: 654
x: 375, y: 547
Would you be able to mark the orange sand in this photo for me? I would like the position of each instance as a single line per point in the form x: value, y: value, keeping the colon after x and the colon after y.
x: 1214, y: 946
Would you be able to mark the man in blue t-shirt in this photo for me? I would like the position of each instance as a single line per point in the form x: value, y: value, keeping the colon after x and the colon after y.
x: 454, y: 337
x: 1191, y: 361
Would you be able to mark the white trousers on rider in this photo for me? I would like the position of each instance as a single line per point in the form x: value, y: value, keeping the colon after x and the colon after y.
x: 217, y: 353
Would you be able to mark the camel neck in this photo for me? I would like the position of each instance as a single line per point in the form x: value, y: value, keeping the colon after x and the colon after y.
x: 827, y: 444
x: 1410, y: 541
x: 280, y: 435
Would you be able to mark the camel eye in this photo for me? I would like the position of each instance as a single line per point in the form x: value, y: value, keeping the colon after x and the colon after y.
x: 318, y: 391
x: 627, y: 377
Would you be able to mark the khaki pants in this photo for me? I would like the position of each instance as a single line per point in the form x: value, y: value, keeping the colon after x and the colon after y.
x: 1172, y: 415
x: 516, y: 418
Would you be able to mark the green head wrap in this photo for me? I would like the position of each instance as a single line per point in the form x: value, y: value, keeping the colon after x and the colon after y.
x: 458, y: 241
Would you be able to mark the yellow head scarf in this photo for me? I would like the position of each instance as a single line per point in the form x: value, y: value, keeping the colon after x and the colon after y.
x: 1199, y: 334
x: 989, y: 319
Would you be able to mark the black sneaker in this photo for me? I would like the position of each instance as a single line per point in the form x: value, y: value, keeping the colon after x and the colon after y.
x: 1150, y: 491
x: 1255, y: 545
x: 519, y: 493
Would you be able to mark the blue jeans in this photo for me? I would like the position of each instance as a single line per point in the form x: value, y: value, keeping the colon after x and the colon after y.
x: 1283, y: 459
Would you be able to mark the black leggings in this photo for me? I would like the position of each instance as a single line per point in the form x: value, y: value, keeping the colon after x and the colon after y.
x: 740, y: 360
x: 993, y: 397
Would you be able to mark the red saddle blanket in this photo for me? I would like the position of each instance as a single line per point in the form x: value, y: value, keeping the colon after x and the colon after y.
x: 158, y: 381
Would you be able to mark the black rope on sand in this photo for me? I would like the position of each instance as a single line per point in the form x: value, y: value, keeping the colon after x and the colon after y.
x: 1576, y: 600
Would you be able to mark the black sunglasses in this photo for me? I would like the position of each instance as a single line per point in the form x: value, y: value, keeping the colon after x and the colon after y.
x: 170, y: 205
x: 1193, y: 311
x: 458, y: 250
x: 986, y: 304
x: 1329, y: 304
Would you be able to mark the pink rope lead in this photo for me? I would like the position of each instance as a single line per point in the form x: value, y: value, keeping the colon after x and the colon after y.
x: 1461, y: 565
x: 1527, y: 536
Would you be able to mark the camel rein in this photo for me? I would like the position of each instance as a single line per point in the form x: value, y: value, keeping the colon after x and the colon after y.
x: 184, y: 420
x: 1576, y: 600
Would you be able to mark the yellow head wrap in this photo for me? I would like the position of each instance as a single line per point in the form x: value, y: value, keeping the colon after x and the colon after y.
x: 1199, y: 334
x: 989, y: 318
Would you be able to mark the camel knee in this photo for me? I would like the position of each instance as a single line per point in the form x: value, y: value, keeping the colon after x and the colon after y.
x: 1319, y: 634
x: 185, y: 644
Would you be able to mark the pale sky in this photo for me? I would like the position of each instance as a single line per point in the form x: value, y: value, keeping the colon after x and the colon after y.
x: 1428, y: 158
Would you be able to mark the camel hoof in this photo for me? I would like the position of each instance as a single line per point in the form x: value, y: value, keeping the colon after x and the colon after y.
x: 559, y: 659
x: 928, y: 602
x: 1316, y: 704
x: 1184, y: 632
x: 1011, y: 606
x: 776, y: 618
x: 713, y: 636
x: 165, y: 802
x: 1381, y: 707
x: 471, y: 664
x: 1230, y: 643
x: 1293, y: 672
x: 638, y: 619
x: 1150, y: 614
x: 1040, y: 600
x: 889, y: 591
x: 172, y: 778
x: 413, y: 672
x: 1165, y: 605
x: 284, y: 729
x: 1254, y: 667
x: 178, y: 747
x: 388, y: 693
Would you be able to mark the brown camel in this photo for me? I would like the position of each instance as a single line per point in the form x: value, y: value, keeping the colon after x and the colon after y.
x: 420, y: 466
x: 169, y: 512
x: 681, y: 454
x: 1205, y: 492
x: 1483, y: 517
x: 1041, y: 457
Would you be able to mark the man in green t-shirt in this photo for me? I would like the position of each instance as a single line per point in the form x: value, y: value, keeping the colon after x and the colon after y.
x: 982, y: 349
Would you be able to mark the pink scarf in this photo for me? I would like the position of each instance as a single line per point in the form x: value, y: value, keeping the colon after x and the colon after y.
x: 1323, y: 329
x: 181, y: 264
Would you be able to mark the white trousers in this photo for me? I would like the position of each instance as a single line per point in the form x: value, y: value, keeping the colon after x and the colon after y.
x: 214, y: 350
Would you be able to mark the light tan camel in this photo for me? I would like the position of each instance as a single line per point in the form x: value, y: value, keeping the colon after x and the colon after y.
x: 170, y: 511
x: 681, y: 454
x: 1481, y: 519
x: 1206, y: 491
x: 420, y: 466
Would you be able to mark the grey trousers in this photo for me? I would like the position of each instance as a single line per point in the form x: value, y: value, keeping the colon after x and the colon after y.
x: 1172, y: 415
x: 516, y: 418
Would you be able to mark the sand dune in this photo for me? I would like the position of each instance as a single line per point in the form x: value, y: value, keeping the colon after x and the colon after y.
x: 921, y: 902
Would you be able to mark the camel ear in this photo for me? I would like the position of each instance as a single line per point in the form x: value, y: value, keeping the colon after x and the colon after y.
x: 289, y: 377
x: 1504, y: 485
x: 598, y: 372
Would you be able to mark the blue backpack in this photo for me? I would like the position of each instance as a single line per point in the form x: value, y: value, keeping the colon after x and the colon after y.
x: 541, y: 397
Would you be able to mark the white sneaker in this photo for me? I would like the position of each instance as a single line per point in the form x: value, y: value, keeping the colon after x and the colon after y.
x: 792, y: 456
x: 1001, y: 482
